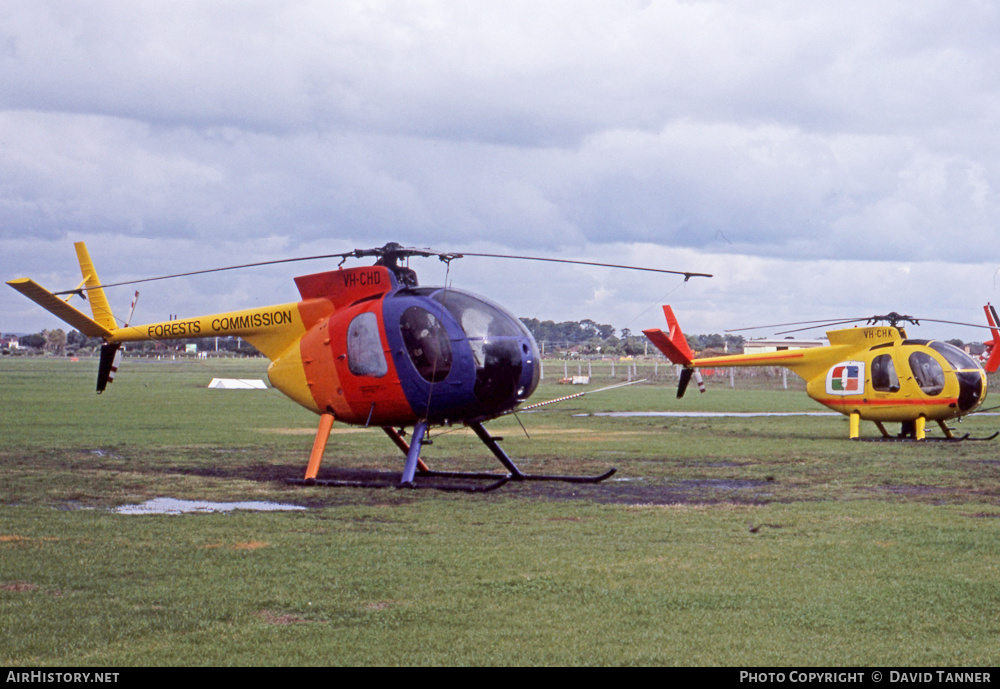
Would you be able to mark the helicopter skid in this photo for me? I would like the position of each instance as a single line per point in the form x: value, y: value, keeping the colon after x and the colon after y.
x: 518, y: 477
x: 450, y: 481
x: 913, y: 431
x: 425, y: 479
x: 565, y: 479
x: 967, y: 436
x: 908, y: 439
x: 416, y: 475
x: 516, y: 474
x: 389, y: 483
x: 501, y: 479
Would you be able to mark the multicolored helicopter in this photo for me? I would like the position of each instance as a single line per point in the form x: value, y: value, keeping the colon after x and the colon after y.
x: 875, y: 373
x: 365, y: 346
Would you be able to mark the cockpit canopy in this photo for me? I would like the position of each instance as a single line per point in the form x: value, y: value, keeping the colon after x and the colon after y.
x: 457, y: 341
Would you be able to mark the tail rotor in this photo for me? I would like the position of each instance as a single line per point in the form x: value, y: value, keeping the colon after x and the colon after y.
x: 685, y: 379
x: 674, y: 345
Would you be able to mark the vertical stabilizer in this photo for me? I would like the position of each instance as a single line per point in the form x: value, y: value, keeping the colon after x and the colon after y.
x: 95, y: 293
x: 674, y: 345
x: 993, y: 362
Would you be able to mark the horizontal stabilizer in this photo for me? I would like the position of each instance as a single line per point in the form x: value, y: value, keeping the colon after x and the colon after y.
x: 53, y: 304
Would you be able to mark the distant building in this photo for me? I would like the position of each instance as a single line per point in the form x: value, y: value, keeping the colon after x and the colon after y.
x: 9, y: 342
x: 976, y: 349
x: 779, y: 345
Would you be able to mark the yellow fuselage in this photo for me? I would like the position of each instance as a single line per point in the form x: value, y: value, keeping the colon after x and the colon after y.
x: 877, y: 373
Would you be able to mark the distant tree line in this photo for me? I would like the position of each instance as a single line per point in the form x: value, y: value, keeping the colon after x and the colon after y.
x: 568, y: 338
x: 587, y: 338
x: 59, y: 343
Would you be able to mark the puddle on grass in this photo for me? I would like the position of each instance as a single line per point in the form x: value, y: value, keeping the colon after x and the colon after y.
x: 724, y: 483
x: 175, y: 506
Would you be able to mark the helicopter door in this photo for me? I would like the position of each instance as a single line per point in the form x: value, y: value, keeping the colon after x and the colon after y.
x: 927, y: 372
x: 365, y: 389
x: 884, y: 378
x: 427, y: 343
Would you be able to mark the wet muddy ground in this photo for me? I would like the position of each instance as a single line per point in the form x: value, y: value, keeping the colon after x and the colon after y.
x: 112, y: 477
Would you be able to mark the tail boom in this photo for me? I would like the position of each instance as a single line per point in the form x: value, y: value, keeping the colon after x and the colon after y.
x: 806, y: 363
x: 271, y: 329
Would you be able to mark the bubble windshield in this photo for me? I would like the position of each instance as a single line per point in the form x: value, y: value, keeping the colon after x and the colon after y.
x: 501, y: 346
x: 959, y: 360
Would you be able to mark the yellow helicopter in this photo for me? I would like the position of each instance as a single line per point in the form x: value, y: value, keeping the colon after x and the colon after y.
x: 875, y: 372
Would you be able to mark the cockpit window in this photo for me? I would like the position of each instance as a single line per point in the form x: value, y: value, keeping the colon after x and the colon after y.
x: 927, y: 372
x: 365, y: 356
x: 499, y: 343
x: 958, y: 359
x: 427, y: 343
x: 478, y: 317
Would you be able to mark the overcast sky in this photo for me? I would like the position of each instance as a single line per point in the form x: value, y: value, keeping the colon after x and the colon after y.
x: 834, y: 159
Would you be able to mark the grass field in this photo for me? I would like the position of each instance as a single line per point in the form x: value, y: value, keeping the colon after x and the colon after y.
x: 720, y: 541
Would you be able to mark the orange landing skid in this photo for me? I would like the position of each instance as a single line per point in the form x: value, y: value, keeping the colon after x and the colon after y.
x: 319, y: 445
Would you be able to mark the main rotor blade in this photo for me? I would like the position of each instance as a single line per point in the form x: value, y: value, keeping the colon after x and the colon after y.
x: 212, y: 270
x: 828, y: 324
x: 819, y: 324
x: 389, y: 249
x: 845, y: 321
x: 391, y: 252
x: 687, y: 274
x: 967, y: 325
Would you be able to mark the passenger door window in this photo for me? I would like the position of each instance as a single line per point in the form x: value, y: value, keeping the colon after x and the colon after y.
x: 365, y: 356
x: 884, y: 378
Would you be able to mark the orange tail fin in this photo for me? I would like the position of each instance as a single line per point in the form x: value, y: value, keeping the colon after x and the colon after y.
x: 674, y: 345
x: 993, y: 362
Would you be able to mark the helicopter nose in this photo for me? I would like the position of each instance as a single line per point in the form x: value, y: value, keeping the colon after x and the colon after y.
x: 531, y: 371
x: 971, y: 390
x: 506, y: 373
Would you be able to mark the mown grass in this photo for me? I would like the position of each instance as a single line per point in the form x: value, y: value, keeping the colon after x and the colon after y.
x: 726, y: 541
